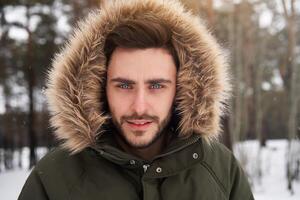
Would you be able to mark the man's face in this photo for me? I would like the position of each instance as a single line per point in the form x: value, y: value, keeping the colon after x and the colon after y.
x: 141, y: 86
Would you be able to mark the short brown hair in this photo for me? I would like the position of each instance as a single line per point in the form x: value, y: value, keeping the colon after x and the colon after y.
x: 140, y: 34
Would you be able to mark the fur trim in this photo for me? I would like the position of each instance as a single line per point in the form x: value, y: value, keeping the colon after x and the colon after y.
x: 75, y: 80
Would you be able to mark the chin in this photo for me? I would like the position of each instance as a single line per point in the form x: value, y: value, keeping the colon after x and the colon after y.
x: 141, y: 140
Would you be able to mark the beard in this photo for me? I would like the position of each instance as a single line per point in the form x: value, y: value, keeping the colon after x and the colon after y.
x: 158, y: 133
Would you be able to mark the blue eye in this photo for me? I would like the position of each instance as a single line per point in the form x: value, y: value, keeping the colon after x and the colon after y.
x: 124, y: 86
x: 156, y: 86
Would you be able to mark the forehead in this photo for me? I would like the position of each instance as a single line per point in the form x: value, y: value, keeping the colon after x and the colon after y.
x: 141, y: 63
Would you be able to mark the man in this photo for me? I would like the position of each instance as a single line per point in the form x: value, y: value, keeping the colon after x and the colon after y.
x: 136, y: 98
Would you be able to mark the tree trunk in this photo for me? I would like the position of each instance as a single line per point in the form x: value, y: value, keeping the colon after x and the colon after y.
x: 236, y: 41
x: 6, y: 136
x: 30, y: 76
x: 290, y: 81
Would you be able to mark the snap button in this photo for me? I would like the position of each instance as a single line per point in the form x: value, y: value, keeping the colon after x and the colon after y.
x: 132, y: 162
x: 158, y: 170
x: 195, y: 155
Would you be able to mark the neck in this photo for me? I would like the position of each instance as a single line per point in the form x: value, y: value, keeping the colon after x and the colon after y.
x: 147, y: 153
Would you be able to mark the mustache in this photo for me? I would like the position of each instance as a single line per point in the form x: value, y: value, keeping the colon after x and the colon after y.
x: 139, y: 117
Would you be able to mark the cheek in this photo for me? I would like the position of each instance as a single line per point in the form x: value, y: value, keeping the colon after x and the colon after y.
x: 163, y: 104
x: 117, y: 105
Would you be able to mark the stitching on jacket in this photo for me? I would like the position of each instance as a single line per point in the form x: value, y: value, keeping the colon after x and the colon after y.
x: 215, y: 177
x: 144, y: 189
x: 82, y: 177
x: 39, y: 178
x: 174, y: 172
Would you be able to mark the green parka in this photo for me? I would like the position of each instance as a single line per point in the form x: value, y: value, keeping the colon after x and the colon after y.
x: 189, y: 169
x: 90, y: 165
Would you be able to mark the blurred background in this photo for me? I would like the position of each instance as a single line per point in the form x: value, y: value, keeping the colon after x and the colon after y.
x: 261, y: 38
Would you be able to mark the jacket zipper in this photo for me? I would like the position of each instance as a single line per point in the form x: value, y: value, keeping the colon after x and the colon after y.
x: 145, y: 167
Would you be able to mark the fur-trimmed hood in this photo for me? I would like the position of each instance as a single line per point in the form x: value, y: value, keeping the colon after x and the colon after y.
x: 75, y: 81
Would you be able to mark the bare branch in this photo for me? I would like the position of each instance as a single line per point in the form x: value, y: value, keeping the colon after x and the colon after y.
x: 286, y: 15
x: 292, y: 7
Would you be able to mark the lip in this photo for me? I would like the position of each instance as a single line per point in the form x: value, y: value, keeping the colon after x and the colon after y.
x: 137, y: 124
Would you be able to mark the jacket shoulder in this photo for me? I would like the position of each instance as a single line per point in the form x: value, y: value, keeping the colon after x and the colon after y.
x: 54, y: 158
x: 226, y: 170
x: 54, y: 175
x: 216, y: 153
x: 61, y: 163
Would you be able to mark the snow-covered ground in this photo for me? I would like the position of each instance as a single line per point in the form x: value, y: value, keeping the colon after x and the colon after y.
x: 271, y: 186
x: 11, y: 183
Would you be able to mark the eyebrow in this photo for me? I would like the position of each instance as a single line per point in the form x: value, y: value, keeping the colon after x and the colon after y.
x: 158, y: 80
x: 122, y: 80
x: 150, y: 81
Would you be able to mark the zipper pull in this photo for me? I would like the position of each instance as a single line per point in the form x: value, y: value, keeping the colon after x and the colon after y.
x: 146, y: 166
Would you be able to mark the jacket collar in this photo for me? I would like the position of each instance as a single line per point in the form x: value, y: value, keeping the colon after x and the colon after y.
x: 180, y: 154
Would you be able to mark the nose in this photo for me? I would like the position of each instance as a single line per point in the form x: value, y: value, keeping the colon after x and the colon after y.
x: 139, y: 105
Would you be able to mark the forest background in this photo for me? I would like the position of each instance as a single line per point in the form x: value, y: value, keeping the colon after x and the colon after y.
x: 261, y: 38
